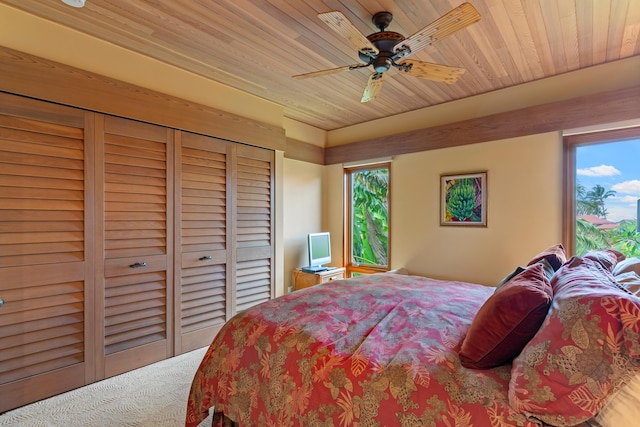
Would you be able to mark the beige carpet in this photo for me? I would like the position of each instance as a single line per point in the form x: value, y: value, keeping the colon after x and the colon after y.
x: 155, y: 395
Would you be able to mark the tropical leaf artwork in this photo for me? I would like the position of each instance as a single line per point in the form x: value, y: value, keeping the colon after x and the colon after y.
x: 464, y: 199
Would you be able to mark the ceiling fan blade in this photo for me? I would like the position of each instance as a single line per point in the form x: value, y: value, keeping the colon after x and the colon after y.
x: 343, y: 26
x: 455, y: 20
x: 373, y: 87
x: 435, y: 72
x: 325, y: 72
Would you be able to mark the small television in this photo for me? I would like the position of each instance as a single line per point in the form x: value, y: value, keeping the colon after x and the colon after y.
x: 319, y: 245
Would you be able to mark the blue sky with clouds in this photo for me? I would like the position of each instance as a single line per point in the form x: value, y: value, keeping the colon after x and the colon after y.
x: 615, y: 166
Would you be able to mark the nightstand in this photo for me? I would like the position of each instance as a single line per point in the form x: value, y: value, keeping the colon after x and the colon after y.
x: 301, y: 279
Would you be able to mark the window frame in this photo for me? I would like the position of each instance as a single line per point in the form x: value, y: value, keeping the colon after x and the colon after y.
x: 570, y: 143
x: 351, y: 268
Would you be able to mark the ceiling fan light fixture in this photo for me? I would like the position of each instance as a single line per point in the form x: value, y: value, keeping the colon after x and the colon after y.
x: 382, y: 64
x: 74, y: 3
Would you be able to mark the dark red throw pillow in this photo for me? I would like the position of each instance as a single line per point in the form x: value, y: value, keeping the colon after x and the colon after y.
x: 555, y: 255
x: 507, y: 320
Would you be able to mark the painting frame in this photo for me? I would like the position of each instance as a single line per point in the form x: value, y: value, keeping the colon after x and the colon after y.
x: 463, y: 199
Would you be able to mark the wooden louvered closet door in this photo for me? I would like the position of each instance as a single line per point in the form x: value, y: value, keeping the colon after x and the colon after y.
x: 202, y: 257
x: 136, y: 291
x: 225, y: 240
x: 88, y: 217
x: 45, y: 254
x: 253, y: 228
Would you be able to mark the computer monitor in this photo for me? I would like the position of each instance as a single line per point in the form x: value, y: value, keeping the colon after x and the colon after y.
x: 319, y: 250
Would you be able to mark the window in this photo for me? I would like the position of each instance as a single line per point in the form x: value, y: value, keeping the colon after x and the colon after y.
x: 602, y: 191
x: 367, y: 219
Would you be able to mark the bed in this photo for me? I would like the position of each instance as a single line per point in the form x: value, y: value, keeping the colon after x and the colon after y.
x: 555, y: 343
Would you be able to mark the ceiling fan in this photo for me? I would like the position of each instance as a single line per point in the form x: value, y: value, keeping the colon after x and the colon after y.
x: 386, y: 49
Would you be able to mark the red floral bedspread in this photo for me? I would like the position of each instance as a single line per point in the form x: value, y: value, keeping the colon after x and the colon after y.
x: 378, y: 350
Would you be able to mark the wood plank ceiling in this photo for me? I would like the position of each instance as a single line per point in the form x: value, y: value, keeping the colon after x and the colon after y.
x: 257, y: 45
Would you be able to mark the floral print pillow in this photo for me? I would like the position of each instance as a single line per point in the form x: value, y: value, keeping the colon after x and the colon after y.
x: 586, y: 349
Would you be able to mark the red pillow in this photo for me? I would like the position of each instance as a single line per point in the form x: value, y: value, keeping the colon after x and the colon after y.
x: 555, y: 255
x: 583, y: 353
x: 507, y: 320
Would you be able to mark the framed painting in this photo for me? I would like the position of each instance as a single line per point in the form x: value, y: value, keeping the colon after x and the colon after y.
x: 463, y: 199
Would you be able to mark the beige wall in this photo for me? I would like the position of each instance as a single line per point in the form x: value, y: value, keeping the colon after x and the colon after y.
x: 303, y: 211
x: 313, y: 201
x: 524, y: 208
x: 333, y: 205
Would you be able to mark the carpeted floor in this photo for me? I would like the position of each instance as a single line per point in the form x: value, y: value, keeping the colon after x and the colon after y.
x: 155, y: 395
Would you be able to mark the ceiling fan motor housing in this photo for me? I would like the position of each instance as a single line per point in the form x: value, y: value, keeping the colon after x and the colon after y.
x: 384, y: 41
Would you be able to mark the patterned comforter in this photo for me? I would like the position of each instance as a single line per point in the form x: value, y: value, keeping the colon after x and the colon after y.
x: 379, y: 350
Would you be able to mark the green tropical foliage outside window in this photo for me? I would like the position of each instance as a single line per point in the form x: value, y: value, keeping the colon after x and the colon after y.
x: 623, y: 238
x: 370, y: 216
x: 606, y: 190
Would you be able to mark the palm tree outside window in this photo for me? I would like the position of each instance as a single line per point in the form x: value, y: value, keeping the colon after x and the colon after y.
x: 602, y: 193
x: 367, y: 218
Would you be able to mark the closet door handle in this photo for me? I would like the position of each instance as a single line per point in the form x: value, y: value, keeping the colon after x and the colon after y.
x: 1, y: 302
x: 138, y: 265
x: 204, y: 258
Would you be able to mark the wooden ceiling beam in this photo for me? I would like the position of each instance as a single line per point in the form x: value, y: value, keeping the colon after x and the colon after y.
x: 28, y: 75
x: 589, y: 110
